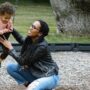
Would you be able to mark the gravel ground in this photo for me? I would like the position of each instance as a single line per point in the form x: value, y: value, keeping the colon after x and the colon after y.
x: 74, y: 71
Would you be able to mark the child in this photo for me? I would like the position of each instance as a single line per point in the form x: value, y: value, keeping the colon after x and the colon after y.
x: 7, y: 12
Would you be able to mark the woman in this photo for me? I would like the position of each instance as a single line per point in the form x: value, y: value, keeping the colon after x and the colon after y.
x: 35, y: 67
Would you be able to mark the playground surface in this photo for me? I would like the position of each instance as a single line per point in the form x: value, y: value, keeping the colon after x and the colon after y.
x: 74, y: 72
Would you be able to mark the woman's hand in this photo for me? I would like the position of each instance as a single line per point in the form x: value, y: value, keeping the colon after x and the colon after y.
x: 6, y: 43
x: 5, y: 31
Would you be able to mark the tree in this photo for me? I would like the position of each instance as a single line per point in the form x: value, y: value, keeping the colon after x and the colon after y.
x: 72, y: 15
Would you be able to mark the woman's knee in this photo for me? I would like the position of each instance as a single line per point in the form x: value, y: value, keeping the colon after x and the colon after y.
x: 11, y: 68
x: 34, y: 86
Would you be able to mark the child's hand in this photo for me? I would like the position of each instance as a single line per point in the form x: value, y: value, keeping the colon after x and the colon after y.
x: 6, y: 30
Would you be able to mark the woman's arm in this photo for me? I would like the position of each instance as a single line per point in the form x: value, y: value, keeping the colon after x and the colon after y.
x: 11, y: 50
x: 17, y: 36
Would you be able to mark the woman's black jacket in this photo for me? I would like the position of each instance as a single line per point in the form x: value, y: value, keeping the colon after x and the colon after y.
x: 35, y: 55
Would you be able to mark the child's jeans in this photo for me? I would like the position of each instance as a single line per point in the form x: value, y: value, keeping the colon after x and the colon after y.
x: 22, y: 76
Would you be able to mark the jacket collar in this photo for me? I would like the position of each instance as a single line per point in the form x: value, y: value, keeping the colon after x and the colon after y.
x: 29, y: 40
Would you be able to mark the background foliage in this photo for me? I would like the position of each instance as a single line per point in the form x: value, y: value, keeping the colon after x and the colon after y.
x: 27, y: 11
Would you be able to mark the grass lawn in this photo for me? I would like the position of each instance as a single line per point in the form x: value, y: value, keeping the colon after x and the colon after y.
x: 26, y: 15
x: 28, y: 12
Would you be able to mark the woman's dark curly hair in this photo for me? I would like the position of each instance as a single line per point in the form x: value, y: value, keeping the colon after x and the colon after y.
x: 44, y: 29
x: 7, y: 8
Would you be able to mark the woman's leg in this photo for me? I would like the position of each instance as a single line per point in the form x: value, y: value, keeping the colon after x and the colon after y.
x: 45, y: 83
x: 19, y: 74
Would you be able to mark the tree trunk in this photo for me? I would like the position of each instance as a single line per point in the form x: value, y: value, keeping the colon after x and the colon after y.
x: 72, y: 15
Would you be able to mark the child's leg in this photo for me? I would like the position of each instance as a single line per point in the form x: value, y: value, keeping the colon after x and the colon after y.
x: 0, y: 64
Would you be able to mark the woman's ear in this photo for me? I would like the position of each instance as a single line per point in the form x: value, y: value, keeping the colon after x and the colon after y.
x: 40, y: 34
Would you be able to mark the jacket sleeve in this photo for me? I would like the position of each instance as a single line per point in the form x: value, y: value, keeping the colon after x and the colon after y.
x: 39, y: 53
x: 18, y: 37
x: 17, y: 57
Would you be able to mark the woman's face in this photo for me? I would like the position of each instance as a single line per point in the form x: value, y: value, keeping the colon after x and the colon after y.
x: 34, y: 30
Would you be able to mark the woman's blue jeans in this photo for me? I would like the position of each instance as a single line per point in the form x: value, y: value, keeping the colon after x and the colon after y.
x: 24, y: 75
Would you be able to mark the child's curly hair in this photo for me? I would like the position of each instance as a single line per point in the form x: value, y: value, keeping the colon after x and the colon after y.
x: 7, y: 8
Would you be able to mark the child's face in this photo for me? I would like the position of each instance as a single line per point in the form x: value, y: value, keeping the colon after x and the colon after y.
x: 5, y: 18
